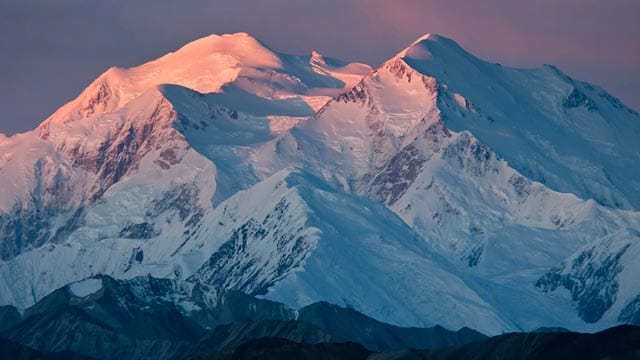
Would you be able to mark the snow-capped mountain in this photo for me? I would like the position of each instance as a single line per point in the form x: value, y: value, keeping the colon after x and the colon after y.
x: 56, y: 171
x: 233, y: 63
x: 437, y: 189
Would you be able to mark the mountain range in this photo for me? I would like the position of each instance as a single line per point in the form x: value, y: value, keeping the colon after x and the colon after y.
x: 436, y: 190
x: 145, y: 317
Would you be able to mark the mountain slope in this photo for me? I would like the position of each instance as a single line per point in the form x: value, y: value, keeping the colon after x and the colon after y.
x: 303, y: 228
x: 417, y: 185
x: 16, y: 351
x: 9, y: 316
x: 232, y: 335
x: 210, y: 64
x: 348, y: 324
x: 616, y: 343
x: 569, y: 135
x: 135, y: 177
x: 103, y: 318
x: 282, y: 249
x: 143, y: 317
x: 55, y: 175
x: 388, y: 139
x: 275, y: 348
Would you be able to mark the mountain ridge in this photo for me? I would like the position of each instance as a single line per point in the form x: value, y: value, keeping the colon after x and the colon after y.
x: 102, y: 317
x: 414, y: 149
x: 206, y: 65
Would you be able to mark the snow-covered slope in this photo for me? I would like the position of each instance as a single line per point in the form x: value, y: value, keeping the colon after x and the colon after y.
x: 310, y: 242
x: 53, y: 173
x: 209, y: 65
x: 389, y: 139
x: 281, y: 239
x: 570, y: 135
x: 438, y: 189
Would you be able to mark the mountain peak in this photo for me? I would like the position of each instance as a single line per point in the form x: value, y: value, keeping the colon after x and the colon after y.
x: 207, y: 65
x: 242, y: 47
x: 425, y: 37
x: 204, y: 65
x: 317, y: 58
x: 215, y: 40
x: 316, y: 55
x: 428, y: 46
x: 239, y: 35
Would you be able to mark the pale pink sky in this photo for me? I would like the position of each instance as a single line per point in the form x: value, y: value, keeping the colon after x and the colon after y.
x: 50, y: 50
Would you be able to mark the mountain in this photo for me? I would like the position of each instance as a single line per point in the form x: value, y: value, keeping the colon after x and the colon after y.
x: 16, y: 351
x: 437, y: 189
x: 348, y: 324
x: 616, y: 343
x: 146, y: 317
x: 102, y: 318
x: 235, y: 334
x: 61, y: 172
x: 389, y: 139
x: 9, y: 316
x: 569, y: 135
x: 274, y: 348
x: 216, y: 64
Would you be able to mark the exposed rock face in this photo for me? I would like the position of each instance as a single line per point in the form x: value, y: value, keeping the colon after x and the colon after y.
x: 233, y: 265
x: 630, y: 314
x: 29, y: 224
x: 591, y: 278
x: 392, y: 182
x: 76, y: 175
x: 576, y: 99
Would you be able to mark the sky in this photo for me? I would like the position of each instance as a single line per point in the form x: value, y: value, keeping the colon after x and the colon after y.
x: 52, y: 49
